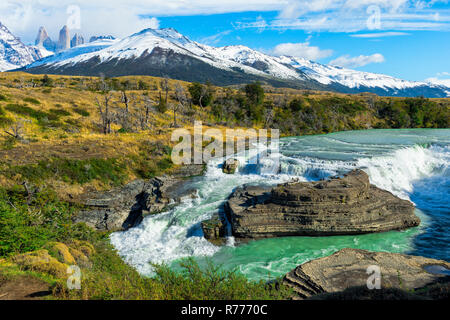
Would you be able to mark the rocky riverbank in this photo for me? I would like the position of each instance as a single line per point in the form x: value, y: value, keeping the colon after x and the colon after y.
x: 348, y: 268
x: 338, y: 206
x: 125, y: 207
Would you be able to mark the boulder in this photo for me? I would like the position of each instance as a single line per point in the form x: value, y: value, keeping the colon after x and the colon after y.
x: 230, y: 166
x: 348, y: 268
x: 338, y: 206
x: 124, y: 208
x: 214, y: 230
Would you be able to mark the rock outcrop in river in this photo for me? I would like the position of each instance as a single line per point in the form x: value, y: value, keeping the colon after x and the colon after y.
x: 339, y: 206
x: 348, y: 268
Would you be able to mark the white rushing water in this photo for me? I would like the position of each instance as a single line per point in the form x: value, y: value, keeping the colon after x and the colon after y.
x: 401, y: 161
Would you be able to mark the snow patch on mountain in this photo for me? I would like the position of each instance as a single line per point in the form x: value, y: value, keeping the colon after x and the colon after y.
x: 328, y: 74
x: 63, y: 57
x: 230, y: 58
x: 13, y: 53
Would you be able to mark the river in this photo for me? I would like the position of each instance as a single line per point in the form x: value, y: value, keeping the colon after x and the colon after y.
x: 411, y: 163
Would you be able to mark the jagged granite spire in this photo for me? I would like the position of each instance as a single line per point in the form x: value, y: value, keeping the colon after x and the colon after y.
x: 76, y: 40
x: 64, y: 39
x: 43, y: 40
x: 41, y: 36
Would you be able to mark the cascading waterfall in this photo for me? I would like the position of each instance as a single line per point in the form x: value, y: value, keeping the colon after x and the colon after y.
x: 412, y: 164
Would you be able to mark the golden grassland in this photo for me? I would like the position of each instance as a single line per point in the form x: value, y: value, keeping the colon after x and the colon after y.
x: 64, y: 154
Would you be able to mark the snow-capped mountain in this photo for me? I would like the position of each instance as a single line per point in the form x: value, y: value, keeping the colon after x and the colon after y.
x: 160, y: 52
x: 13, y: 53
x: 335, y: 75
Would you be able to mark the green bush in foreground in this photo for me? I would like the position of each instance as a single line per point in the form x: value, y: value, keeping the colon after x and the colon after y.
x: 111, y: 278
x: 28, y: 222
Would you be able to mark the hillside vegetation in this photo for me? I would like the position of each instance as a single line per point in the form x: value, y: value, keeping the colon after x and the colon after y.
x: 63, y: 137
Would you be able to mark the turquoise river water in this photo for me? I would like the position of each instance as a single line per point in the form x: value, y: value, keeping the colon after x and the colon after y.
x: 412, y: 164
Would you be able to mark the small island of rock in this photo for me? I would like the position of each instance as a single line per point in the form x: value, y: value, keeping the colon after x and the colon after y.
x: 338, y: 206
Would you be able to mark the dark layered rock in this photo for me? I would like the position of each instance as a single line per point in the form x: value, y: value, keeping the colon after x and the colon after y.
x: 230, y: 166
x: 214, y: 230
x: 348, y: 268
x: 339, y: 206
x: 124, y: 208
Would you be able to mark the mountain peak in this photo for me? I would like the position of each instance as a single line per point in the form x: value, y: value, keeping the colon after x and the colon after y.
x: 13, y: 53
x: 166, y: 51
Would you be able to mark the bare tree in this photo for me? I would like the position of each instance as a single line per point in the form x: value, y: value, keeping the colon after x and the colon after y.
x: 105, y: 113
x: 124, y: 117
x: 16, y: 130
x: 165, y: 86
x: 269, y: 115
x: 144, y: 112
x: 182, y: 99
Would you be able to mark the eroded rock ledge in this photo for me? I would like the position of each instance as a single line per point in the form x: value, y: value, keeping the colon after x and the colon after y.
x: 347, y: 268
x: 339, y: 206
x: 125, y: 207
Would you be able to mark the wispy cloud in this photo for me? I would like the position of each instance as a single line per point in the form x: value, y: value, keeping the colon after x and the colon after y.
x: 359, y: 15
x: 359, y: 61
x: 379, y: 34
x: 215, y: 39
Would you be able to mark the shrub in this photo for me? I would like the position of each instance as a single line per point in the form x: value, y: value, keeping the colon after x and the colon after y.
x: 28, y: 222
x: 47, y: 81
x: 81, y: 112
x: 60, y: 112
x: 32, y: 100
x: 161, y: 106
x: 201, y: 95
x: 255, y: 93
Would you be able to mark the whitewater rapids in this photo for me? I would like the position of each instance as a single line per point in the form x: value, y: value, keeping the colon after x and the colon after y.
x: 412, y: 164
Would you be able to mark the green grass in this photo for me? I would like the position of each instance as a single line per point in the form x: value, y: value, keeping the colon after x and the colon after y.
x: 24, y: 110
x: 109, y: 171
x: 5, y: 121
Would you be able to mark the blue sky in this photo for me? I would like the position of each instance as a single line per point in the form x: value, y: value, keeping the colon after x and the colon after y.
x: 409, y: 39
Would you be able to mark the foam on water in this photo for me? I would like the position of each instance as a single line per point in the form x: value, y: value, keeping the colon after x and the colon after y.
x: 412, y: 164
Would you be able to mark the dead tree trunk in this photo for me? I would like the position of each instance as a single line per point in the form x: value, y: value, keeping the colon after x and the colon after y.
x: 105, y: 114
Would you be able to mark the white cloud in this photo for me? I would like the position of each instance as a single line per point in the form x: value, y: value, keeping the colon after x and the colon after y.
x: 118, y: 17
x: 359, y: 61
x: 301, y: 50
x: 24, y: 18
x: 123, y: 17
x: 379, y: 34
